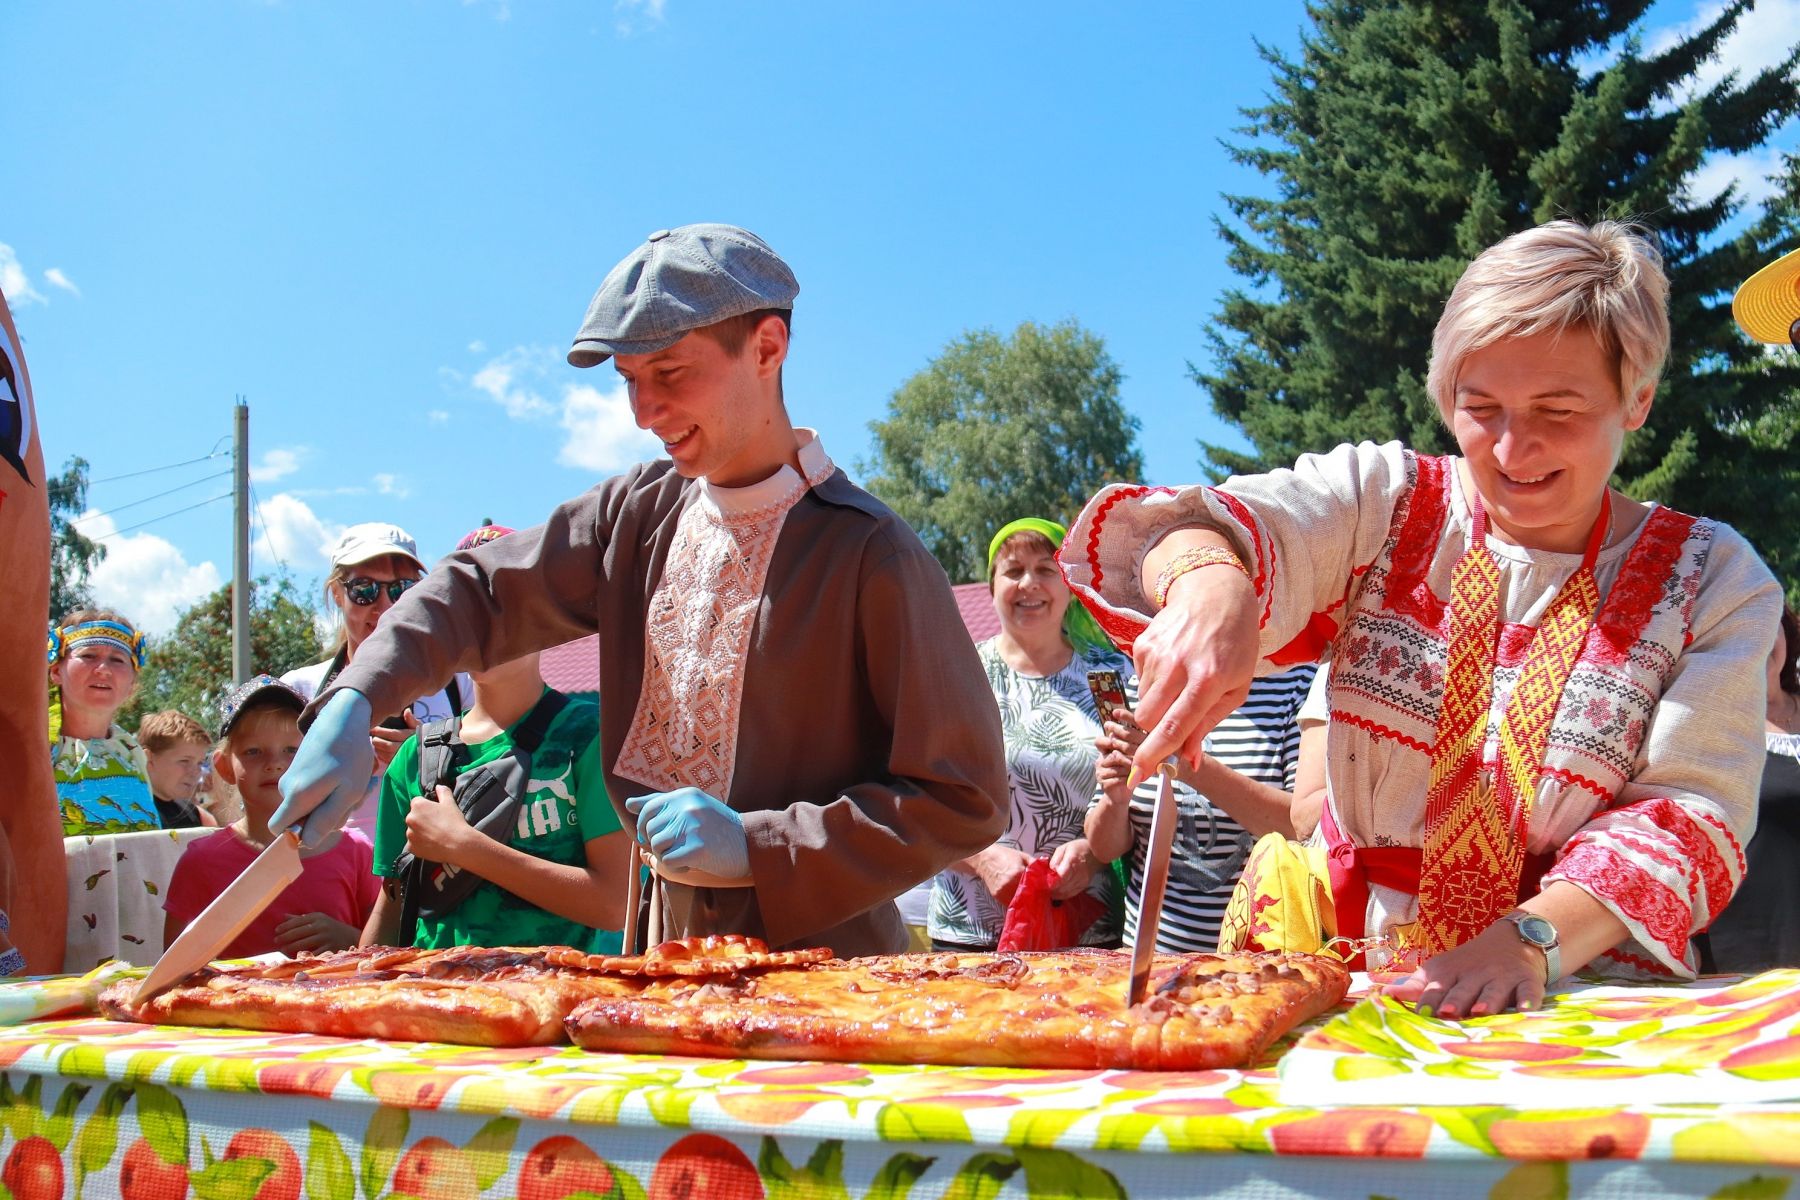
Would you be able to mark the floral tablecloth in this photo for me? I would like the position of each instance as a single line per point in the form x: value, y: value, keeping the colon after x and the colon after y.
x: 116, y: 884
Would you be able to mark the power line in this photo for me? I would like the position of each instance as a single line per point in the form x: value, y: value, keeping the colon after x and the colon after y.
x: 264, y: 522
x: 153, y: 470
x: 165, y: 516
x: 147, y: 499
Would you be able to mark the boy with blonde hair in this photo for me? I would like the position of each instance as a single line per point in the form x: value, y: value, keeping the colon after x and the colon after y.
x: 175, y: 749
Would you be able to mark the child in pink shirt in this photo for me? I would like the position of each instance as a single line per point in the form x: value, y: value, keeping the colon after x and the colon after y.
x: 324, y: 909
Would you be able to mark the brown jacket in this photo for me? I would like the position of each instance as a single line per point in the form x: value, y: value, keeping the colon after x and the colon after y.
x: 869, y: 747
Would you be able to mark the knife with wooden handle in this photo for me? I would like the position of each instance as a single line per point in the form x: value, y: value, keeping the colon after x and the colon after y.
x: 242, y: 901
x: 1156, y: 879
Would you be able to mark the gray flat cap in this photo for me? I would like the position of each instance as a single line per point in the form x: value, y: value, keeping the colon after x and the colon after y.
x: 677, y: 281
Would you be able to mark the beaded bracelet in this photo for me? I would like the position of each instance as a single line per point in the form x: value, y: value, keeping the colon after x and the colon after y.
x: 1192, y: 560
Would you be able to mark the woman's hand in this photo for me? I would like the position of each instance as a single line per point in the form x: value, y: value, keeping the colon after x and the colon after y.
x: 1119, y: 740
x: 1490, y: 973
x: 999, y: 868
x: 1195, y: 663
x: 437, y: 829
x: 1075, y: 864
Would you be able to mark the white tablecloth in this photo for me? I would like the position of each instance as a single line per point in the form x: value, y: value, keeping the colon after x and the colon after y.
x: 116, y: 885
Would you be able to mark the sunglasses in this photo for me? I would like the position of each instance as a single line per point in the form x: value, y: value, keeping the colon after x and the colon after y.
x: 364, y: 592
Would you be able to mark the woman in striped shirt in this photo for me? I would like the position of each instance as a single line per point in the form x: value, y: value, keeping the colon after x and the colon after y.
x: 1240, y: 790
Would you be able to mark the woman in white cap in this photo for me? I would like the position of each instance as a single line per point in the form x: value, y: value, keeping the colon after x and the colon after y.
x: 372, y: 565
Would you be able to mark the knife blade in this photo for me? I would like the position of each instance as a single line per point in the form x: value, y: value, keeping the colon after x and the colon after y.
x: 1156, y: 878
x: 242, y: 901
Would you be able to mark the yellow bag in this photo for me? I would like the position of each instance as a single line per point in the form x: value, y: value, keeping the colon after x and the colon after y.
x: 1282, y: 901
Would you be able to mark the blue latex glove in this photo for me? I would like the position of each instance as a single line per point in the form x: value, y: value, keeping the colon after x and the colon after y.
x: 690, y: 831
x: 330, y: 772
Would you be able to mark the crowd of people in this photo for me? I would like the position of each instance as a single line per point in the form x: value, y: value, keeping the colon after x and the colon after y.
x: 1517, y: 708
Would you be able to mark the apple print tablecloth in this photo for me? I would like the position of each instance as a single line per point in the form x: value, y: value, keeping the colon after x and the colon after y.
x: 92, y: 1108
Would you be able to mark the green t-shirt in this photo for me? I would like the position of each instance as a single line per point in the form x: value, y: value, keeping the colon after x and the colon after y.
x: 565, y: 807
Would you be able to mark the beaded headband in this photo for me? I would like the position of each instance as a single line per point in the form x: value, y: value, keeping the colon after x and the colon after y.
x: 67, y: 641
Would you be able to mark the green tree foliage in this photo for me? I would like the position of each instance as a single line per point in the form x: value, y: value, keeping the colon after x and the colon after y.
x: 190, y: 668
x: 1407, y: 137
x: 998, y: 428
x: 72, y: 556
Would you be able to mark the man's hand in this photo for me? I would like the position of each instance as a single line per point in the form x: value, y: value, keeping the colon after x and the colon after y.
x: 690, y: 831
x: 1000, y: 868
x: 386, y: 742
x: 316, y: 932
x: 330, y: 774
x: 1195, y: 663
x: 437, y: 830
x: 1490, y: 973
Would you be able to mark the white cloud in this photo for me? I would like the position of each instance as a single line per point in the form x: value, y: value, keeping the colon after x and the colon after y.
x: 637, y: 16
x: 289, y: 532
x: 603, y: 436
x: 1750, y: 172
x: 477, y: 347
x: 1764, y: 36
x: 277, y: 464
x: 506, y: 381
x: 58, y: 279
x: 145, y: 576
x: 438, y: 416
x: 15, y: 282
x: 392, y: 485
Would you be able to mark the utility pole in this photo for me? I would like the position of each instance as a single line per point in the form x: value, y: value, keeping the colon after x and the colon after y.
x: 240, y: 553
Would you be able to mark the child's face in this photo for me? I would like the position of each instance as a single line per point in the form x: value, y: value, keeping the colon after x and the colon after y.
x: 257, y: 754
x: 96, y: 678
x: 175, y: 772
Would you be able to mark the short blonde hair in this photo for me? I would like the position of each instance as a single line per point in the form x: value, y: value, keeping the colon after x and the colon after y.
x: 1607, y: 278
x: 165, y: 730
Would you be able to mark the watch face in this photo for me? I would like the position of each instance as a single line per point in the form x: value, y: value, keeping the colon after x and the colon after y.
x: 1536, y: 930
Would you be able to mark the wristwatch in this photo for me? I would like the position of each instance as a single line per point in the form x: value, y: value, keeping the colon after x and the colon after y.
x: 1536, y: 931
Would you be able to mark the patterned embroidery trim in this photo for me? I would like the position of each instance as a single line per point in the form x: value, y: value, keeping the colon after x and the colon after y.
x: 1417, y: 529
x: 1093, y: 542
x: 1649, y: 965
x: 1639, y: 586
x: 1574, y: 779
x: 1260, y: 548
x: 1640, y: 899
x: 1339, y: 716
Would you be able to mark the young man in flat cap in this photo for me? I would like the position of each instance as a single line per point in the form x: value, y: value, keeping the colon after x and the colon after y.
x: 789, y: 701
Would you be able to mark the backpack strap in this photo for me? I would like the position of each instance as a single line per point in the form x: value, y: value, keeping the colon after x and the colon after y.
x: 440, y: 749
x: 530, y: 733
x: 453, y: 694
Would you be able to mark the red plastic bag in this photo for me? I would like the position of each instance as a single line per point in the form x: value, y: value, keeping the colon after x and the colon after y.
x: 1037, y: 921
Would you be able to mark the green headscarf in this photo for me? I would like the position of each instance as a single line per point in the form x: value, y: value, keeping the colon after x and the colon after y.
x: 1079, y: 626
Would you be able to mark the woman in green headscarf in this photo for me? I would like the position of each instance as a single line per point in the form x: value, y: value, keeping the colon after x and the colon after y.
x: 1038, y: 666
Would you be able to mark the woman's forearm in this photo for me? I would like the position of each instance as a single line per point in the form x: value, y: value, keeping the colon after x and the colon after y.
x: 1259, y: 807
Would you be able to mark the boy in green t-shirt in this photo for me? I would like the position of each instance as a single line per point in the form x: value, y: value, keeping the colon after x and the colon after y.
x: 559, y: 879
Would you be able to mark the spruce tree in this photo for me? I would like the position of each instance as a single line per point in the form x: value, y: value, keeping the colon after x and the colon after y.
x: 1406, y: 137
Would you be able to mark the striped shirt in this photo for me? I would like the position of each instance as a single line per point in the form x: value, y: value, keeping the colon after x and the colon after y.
x: 1260, y: 740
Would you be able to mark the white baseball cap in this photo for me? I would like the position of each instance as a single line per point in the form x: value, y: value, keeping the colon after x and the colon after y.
x: 374, y: 539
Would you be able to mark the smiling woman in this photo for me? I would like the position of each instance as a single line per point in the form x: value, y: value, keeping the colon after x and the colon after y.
x: 1545, y: 696
x: 1038, y: 666
x: 102, y: 784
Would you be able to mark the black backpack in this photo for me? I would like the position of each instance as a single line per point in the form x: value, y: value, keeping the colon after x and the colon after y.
x: 489, y: 796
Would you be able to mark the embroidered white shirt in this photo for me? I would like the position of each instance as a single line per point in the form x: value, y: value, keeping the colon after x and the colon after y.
x: 698, y: 626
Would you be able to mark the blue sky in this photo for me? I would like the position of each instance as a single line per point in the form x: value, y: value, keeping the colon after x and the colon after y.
x: 381, y: 224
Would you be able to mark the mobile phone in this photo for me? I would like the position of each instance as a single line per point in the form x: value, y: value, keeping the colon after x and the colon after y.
x: 1108, y: 690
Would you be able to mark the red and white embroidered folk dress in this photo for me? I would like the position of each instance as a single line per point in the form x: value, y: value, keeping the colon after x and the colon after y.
x: 1647, y: 791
